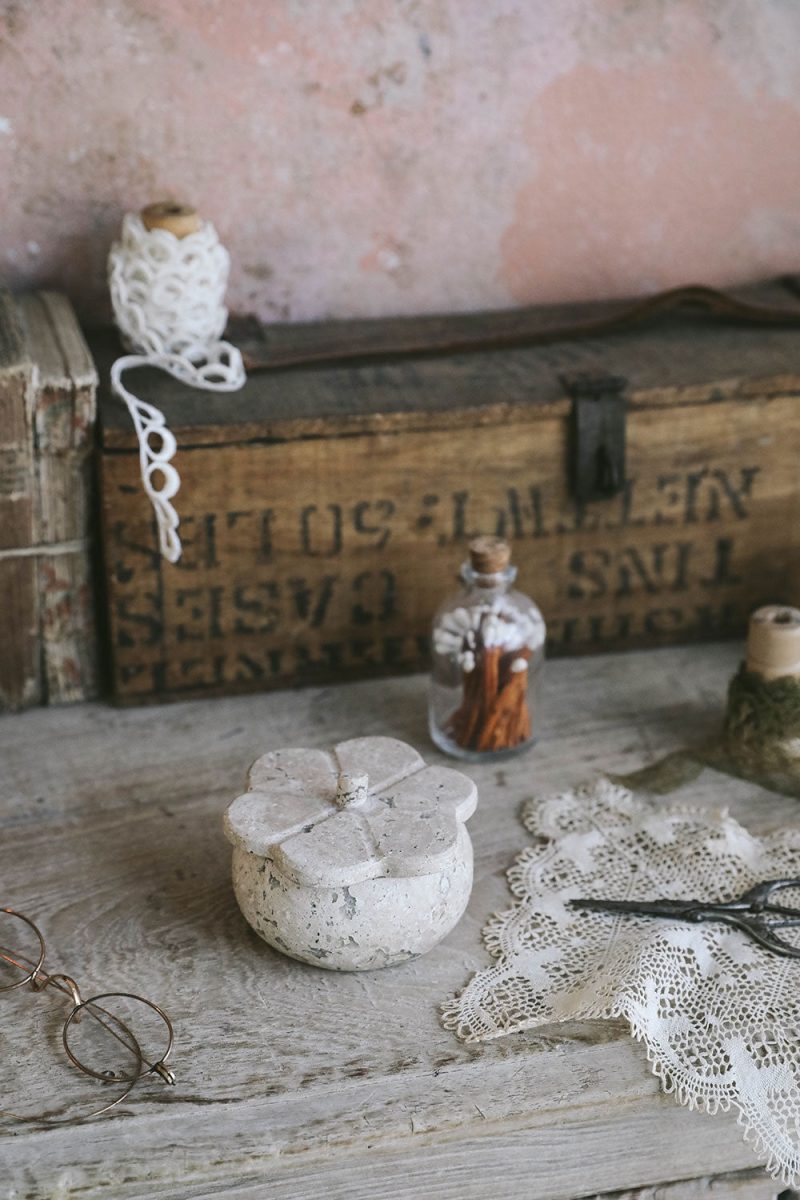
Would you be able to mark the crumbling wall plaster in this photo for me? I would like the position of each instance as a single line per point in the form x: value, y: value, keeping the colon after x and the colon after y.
x: 406, y: 155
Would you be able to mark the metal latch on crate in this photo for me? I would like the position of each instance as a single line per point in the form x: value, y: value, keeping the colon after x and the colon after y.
x: 598, y: 435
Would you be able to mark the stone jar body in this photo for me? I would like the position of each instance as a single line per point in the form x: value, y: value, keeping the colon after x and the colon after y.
x: 374, y: 923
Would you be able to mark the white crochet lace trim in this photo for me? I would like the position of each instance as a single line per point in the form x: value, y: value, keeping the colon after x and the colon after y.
x: 168, y: 297
x: 719, y: 1016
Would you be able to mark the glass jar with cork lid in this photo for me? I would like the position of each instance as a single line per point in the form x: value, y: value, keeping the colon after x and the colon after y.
x: 488, y: 651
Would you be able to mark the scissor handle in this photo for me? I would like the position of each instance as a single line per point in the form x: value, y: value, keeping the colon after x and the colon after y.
x: 757, y: 897
x: 762, y: 931
x: 753, y: 913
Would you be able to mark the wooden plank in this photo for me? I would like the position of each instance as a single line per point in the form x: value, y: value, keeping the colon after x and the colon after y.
x: 17, y: 511
x: 678, y: 367
x: 305, y: 559
x: 20, y: 665
x: 68, y: 628
x: 676, y: 360
x: 553, y: 1161
x: 446, y: 1182
x: 300, y: 1082
x: 745, y: 1185
x: 544, y: 324
x: 65, y: 405
x: 64, y: 413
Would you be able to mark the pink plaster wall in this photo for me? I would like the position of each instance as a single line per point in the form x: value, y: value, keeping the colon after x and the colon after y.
x: 407, y: 155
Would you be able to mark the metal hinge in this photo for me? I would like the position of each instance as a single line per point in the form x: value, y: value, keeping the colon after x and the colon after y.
x: 598, y: 435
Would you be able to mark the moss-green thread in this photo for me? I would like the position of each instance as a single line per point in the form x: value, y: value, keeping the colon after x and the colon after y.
x: 762, y: 725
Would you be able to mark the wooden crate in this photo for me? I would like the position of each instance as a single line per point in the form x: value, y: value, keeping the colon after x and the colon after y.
x: 325, y: 509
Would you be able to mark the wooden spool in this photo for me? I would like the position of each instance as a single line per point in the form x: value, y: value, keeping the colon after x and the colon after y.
x: 178, y: 219
x: 773, y: 642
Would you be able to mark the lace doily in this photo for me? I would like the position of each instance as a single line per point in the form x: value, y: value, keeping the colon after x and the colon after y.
x: 719, y: 1015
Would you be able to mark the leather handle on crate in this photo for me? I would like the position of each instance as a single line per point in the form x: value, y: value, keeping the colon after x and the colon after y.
x: 434, y: 336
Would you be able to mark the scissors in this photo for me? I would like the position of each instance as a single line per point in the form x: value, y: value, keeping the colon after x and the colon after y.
x: 753, y: 912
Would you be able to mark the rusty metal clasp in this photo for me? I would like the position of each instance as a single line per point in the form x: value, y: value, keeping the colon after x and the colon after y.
x: 598, y: 435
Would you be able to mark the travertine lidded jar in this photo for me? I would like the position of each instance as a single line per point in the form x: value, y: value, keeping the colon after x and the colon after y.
x: 353, y: 858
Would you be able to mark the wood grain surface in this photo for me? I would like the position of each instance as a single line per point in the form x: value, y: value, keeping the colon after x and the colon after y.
x: 292, y: 1081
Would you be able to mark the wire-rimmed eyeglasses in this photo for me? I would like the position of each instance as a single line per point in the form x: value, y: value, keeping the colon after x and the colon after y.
x: 39, y: 979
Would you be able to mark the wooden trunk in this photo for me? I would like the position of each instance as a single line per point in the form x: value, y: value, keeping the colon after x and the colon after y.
x: 326, y: 508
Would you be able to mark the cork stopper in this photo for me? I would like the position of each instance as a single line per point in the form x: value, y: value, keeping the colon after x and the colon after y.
x: 178, y: 219
x: 489, y: 555
x: 773, y: 642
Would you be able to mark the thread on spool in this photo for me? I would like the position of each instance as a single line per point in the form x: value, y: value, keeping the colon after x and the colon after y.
x: 168, y: 295
x: 762, y: 720
x: 762, y: 726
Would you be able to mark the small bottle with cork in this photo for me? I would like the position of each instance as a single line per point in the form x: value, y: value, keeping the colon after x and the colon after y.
x: 488, y: 652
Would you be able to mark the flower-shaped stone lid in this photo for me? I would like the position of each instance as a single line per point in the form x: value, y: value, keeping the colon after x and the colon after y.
x: 368, y: 808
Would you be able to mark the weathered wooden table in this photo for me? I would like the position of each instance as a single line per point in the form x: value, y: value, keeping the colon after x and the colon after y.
x: 292, y: 1081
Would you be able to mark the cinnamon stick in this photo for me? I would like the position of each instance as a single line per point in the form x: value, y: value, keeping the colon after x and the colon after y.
x: 503, y: 719
x: 493, y: 714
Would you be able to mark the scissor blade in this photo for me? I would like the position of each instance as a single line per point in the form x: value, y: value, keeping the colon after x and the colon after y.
x: 676, y: 909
